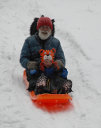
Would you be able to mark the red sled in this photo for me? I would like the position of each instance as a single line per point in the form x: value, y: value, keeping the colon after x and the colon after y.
x: 47, y: 98
x: 49, y: 101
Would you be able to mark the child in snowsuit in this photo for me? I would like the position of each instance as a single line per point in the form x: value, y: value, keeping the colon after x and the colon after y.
x: 30, y: 60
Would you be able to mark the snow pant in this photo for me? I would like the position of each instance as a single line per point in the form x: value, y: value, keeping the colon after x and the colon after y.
x: 54, y: 84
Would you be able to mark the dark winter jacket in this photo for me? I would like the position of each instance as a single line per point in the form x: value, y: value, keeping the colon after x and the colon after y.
x: 32, y: 45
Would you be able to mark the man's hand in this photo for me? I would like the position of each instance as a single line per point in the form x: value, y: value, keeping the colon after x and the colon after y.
x: 32, y: 65
x: 47, y: 63
x: 58, y: 64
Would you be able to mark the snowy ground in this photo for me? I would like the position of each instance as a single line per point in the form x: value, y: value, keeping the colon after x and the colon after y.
x: 78, y: 27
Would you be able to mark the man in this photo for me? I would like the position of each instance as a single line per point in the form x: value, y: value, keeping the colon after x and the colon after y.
x: 30, y: 57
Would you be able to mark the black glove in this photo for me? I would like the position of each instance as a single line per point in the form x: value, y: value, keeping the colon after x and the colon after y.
x: 32, y: 65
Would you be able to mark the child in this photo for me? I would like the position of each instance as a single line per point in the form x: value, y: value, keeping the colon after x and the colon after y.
x: 52, y: 79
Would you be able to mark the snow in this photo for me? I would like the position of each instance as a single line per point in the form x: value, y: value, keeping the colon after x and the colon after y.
x: 78, y: 27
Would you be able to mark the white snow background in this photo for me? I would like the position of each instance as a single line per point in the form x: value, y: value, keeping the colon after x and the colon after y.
x: 78, y: 27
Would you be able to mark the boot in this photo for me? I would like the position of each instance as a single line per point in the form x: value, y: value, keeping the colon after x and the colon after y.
x: 67, y: 87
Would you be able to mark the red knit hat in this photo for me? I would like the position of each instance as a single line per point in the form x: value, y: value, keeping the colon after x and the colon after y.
x: 44, y: 21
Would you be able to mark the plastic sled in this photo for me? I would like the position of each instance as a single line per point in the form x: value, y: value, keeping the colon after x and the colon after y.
x: 49, y: 101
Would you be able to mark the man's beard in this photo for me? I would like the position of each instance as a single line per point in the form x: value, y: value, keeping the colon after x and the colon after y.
x: 44, y: 34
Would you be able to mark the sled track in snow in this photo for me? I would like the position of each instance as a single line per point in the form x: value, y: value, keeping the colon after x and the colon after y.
x: 70, y: 39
